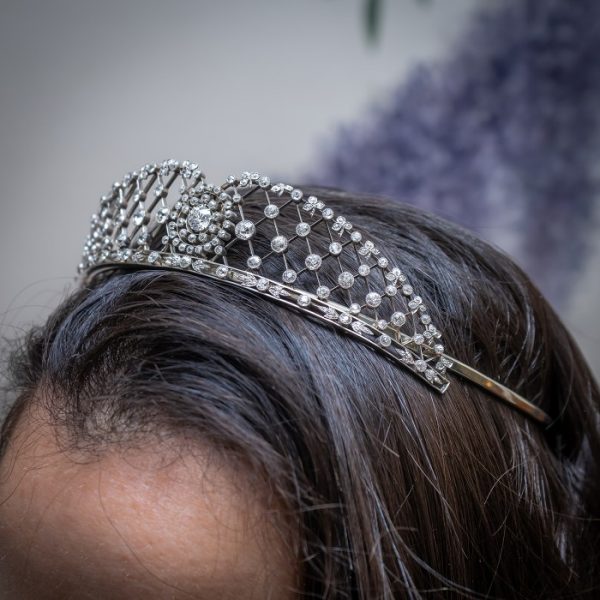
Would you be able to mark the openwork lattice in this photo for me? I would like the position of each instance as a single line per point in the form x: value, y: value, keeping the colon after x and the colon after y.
x: 287, y: 246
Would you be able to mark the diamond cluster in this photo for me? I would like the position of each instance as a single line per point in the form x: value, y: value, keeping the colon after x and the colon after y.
x: 167, y: 216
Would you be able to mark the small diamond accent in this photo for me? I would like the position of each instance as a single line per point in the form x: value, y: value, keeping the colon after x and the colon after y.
x: 313, y: 262
x: 279, y: 243
x: 398, y: 319
x: 335, y: 248
x: 162, y: 215
x: 254, y: 261
x: 323, y: 292
x: 303, y: 229
x: 303, y: 300
x: 384, y: 340
x: 355, y: 308
x: 373, y: 299
x: 415, y: 303
x: 346, y: 280
x: 364, y: 270
x: 139, y: 216
x: 245, y: 229
x: 420, y: 365
x: 271, y: 211
x: 222, y: 271
x: 345, y: 318
x: 289, y: 276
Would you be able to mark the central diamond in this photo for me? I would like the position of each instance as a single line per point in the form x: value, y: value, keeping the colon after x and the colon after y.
x: 199, y: 219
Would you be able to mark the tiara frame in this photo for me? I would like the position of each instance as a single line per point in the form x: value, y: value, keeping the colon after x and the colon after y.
x: 194, y: 233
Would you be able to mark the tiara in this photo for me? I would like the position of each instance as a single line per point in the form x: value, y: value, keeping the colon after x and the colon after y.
x: 284, y: 245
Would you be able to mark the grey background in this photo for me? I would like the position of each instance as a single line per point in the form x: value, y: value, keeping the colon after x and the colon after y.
x: 91, y: 90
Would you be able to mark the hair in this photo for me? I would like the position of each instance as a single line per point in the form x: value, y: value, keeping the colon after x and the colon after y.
x: 394, y: 490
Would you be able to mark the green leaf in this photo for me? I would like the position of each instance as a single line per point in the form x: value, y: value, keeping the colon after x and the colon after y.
x: 372, y: 19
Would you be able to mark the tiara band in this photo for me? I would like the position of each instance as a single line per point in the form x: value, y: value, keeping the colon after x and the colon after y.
x: 166, y: 216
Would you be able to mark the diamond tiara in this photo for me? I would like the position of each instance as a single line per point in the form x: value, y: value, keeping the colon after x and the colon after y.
x: 289, y: 247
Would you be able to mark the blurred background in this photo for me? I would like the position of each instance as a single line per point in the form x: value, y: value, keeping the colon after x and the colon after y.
x: 483, y: 111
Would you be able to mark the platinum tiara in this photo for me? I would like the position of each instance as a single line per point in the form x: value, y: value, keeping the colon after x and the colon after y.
x: 167, y: 216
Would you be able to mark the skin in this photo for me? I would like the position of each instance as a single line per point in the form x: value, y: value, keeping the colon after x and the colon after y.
x: 151, y: 522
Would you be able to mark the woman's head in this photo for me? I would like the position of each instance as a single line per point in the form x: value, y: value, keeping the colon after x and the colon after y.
x: 359, y: 481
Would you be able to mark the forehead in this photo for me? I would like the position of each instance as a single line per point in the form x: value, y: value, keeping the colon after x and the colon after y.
x: 148, y: 521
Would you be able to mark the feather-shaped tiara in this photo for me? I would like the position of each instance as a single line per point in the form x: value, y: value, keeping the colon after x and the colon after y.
x: 289, y: 247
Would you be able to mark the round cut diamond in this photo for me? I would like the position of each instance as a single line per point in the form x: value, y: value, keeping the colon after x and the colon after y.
x: 382, y: 262
x: 421, y: 365
x: 289, y: 276
x: 364, y: 270
x: 327, y: 213
x: 245, y: 229
x: 323, y: 292
x: 407, y: 290
x: 303, y: 300
x: 419, y: 339
x: 431, y: 375
x: 199, y: 219
x: 335, y: 248
x: 425, y: 319
x: 262, y: 284
x: 271, y: 211
x: 313, y: 262
x: 398, y: 319
x: 345, y: 318
x: 222, y: 271
x: 303, y: 229
x: 373, y: 299
x: 254, y: 261
x: 356, y: 236
x: 163, y: 214
x: 139, y: 216
x: 346, y: 279
x: 391, y: 290
x: 355, y: 308
x: 279, y: 243
x: 384, y: 340
x: 296, y: 195
x: 415, y: 302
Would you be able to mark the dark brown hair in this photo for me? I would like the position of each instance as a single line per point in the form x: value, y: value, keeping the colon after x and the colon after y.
x: 399, y: 492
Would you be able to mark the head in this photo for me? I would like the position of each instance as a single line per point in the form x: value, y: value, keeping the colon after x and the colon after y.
x: 177, y: 436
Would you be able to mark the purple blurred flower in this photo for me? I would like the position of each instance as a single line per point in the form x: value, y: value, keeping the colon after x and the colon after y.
x: 501, y: 137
